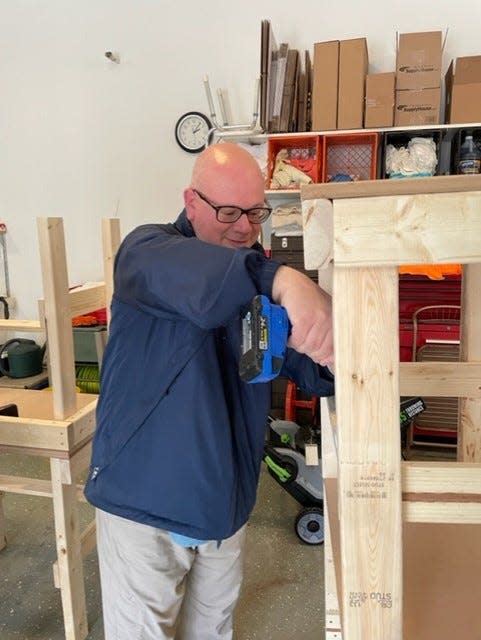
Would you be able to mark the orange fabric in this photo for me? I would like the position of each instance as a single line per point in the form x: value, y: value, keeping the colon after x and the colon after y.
x: 84, y: 321
x: 432, y: 271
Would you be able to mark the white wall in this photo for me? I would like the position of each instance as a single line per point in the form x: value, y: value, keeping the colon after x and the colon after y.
x: 84, y: 138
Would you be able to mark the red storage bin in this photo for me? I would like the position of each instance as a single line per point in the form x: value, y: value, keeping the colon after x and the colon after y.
x: 301, y: 152
x: 350, y: 156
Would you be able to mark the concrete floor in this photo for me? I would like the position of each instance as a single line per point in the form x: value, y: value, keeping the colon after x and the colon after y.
x: 282, y: 595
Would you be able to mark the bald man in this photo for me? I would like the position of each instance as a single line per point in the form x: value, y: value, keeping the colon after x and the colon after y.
x: 179, y: 438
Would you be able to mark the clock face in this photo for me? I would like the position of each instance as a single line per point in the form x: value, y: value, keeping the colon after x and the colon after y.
x: 192, y: 131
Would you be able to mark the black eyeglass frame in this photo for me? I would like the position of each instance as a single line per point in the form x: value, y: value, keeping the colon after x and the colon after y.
x: 259, y: 219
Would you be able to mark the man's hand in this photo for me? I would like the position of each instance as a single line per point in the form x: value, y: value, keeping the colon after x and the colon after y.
x: 310, y: 313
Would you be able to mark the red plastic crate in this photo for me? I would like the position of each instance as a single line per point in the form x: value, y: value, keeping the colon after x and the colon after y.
x: 352, y: 155
x: 302, y: 152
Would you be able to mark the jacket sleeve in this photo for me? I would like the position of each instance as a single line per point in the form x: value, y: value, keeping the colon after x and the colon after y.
x: 170, y: 275
x: 309, y: 376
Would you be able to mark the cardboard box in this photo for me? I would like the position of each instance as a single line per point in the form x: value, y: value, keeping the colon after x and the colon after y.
x: 417, y: 107
x: 380, y: 96
x: 353, y: 65
x: 325, y: 85
x: 419, y: 59
x: 463, y: 90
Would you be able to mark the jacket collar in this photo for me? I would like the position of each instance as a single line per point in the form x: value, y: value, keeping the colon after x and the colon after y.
x: 182, y: 224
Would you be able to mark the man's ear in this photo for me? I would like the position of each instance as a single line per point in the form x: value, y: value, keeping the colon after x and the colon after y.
x: 189, y: 202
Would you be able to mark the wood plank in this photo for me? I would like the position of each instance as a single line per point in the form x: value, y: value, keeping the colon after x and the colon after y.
x: 86, y: 298
x: 12, y: 324
x: 33, y: 487
x: 406, y: 186
x: 88, y: 543
x: 442, y: 379
x: 83, y: 422
x: 39, y: 404
x: 317, y: 223
x: 29, y: 433
x: 329, y: 471
x: 442, y: 512
x: 367, y: 401
x: 469, y: 433
x: 441, y: 478
x: 111, y: 244
x: 57, y: 314
x: 69, y: 555
x: 34, y: 432
x: 26, y: 486
x: 429, y: 229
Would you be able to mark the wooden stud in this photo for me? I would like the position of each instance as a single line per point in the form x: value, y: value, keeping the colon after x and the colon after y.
x: 367, y: 366
x: 70, y: 568
x: 469, y: 431
x: 111, y: 243
x: 57, y: 314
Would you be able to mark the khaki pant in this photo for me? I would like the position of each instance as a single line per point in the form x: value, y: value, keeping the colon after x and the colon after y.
x: 154, y: 589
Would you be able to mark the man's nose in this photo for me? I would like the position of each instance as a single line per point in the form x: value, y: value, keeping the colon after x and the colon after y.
x: 243, y: 224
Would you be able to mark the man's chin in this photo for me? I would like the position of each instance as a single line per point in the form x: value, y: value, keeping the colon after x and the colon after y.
x: 238, y: 244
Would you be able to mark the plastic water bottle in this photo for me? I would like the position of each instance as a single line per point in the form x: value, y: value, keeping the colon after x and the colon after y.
x: 469, y: 157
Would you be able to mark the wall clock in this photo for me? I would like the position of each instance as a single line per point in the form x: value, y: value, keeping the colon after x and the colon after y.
x: 192, y: 131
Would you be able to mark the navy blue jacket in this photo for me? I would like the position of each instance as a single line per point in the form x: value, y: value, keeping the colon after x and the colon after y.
x: 179, y: 437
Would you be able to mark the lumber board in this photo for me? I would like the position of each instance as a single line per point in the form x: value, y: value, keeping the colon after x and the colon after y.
x: 36, y: 430
x: 110, y: 243
x: 87, y: 298
x: 441, y: 379
x: 418, y: 229
x: 469, y: 432
x: 87, y: 545
x: 441, y: 478
x: 367, y: 380
x: 12, y: 324
x: 442, y: 512
x: 406, y: 186
x: 32, y: 487
x: 26, y: 486
x: 69, y: 554
x: 57, y: 315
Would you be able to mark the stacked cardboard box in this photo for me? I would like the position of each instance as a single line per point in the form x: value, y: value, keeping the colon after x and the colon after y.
x: 338, y: 89
x: 379, y: 109
x: 418, y: 78
x: 463, y: 90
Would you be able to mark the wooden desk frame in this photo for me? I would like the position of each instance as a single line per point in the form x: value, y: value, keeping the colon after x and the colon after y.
x: 361, y: 233
x: 59, y: 424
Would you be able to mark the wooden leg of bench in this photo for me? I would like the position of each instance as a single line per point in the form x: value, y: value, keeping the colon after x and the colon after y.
x: 3, y: 528
x: 70, y: 568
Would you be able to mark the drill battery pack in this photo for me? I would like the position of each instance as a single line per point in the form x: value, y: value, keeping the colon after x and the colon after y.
x: 265, y: 329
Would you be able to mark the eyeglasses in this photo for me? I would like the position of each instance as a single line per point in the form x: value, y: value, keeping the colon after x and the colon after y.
x: 231, y: 213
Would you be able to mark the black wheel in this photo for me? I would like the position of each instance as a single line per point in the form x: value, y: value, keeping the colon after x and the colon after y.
x: 309, y: 525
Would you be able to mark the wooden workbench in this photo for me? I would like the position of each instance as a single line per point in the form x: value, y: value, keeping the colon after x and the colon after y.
x: 59, y: 423
x: 358, y: 234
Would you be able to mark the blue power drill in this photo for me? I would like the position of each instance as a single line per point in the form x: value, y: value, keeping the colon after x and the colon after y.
x: 265, y: 329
